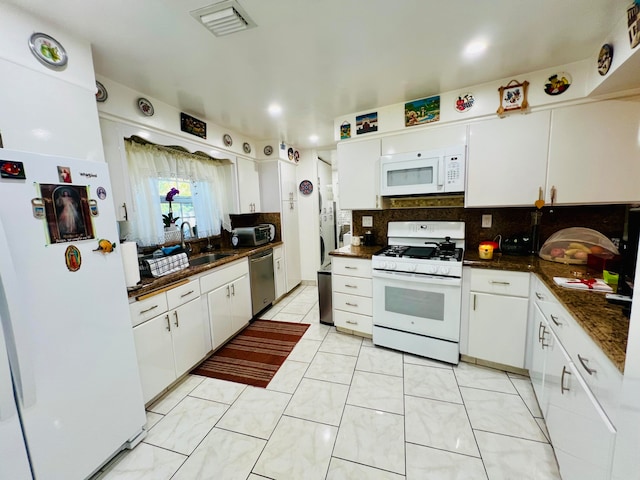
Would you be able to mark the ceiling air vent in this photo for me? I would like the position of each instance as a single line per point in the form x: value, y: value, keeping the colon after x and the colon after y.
x: 223, y: 18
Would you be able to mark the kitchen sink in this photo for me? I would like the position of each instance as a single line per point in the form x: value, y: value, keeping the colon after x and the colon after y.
x: 209, y: 258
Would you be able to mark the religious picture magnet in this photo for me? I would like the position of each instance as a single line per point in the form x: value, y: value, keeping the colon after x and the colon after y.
x: 72, y: 258
x: 67, y: 212
x: 64, y: 174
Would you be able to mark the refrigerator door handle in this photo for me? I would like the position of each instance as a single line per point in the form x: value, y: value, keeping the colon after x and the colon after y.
x: 11, y: 320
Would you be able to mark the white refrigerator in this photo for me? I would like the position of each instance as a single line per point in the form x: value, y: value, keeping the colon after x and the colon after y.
x: 70, y: 394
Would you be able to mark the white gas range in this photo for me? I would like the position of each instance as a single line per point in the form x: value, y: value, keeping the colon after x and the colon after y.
x: 417, y: 287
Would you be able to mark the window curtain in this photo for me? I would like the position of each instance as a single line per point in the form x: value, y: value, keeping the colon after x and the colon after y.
x: 210, y: 180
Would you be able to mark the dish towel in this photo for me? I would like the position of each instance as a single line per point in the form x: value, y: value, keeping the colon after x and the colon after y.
x: 594, y: 284
x: 157, y: 267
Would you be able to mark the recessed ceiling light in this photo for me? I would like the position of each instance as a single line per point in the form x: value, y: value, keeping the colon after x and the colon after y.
x: 313, y: 138
x: 275, y: 109
x: 475, y: 48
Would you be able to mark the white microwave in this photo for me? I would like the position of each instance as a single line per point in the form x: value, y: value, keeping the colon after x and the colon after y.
x: 423, y: 172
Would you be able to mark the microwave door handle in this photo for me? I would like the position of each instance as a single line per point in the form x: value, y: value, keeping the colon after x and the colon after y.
x: 441, y: 171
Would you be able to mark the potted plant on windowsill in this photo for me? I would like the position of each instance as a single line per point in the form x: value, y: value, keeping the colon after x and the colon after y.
x: 168, y: 219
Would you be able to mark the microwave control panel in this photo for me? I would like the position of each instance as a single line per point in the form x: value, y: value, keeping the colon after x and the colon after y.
x: 454, y: 170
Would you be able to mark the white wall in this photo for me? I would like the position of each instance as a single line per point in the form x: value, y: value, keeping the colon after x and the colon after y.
x: 41, y: 109
x: 308, y: 215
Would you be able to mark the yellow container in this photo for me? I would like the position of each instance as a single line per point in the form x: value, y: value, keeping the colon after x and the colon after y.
x: 485, y: 252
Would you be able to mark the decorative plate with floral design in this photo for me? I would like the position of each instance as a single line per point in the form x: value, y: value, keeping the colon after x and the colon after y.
x: 306, y: 187
x: 246, y: 148
x: 101, y: 93
x: 48, y: 50
x: 268, y: 150
x: 227, y: 140
x: 145, y: 107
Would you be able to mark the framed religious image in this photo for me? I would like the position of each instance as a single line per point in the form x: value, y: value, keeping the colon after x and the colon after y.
x: 67, y: 212
x: 513, y: 96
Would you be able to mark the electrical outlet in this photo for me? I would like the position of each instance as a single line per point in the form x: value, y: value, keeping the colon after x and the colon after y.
x: 367, y: 221
x: 486, y: 221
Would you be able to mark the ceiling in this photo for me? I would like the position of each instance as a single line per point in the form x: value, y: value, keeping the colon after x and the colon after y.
x: 320, y: 59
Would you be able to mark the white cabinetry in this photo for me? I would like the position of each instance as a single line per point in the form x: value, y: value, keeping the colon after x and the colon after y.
x: 429, y: 138
x: 228, y: 293
x: 507, y: 160
x: 278, y: 272
x: 498, y: 310
x: 359, y: 174
x: 279, y: 194
x: 577, y: 417
x: 248, y: 185
x: 352, y: 288
x: 169, y: 334
x: 593, y: 153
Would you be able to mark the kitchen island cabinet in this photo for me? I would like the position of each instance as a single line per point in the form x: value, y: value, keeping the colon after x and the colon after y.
x: 507, y: 160
x: 593, y: 152
x: 359, y: 174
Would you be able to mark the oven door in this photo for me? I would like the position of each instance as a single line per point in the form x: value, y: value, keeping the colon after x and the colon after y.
x: 421, y: 304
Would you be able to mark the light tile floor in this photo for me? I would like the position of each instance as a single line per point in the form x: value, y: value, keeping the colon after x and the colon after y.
x: 341, y: 408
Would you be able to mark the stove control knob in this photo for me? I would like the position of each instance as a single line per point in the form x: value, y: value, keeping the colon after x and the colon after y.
x: 432, y: 269
x: 391, y: 265
x: 444, y: 270
x: 411, y: 268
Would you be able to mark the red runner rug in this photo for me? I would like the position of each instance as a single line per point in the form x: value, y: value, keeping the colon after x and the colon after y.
x: 254, y: 355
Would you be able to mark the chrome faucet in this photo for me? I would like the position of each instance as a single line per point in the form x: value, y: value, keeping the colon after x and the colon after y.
x: 184, y: 246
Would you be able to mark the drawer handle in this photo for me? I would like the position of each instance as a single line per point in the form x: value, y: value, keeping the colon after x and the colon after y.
x: 584, y: 362
x: 168, y: 322
x: 562, y: 387
x: 352, y: 322
x: 186, y: 294
x: 555, y: 320
x: 350, y: 268
x: 495, y: 282
x: 540, y: 297
x: 474, y: 301
x: 541, y: 330
x: 351, y: 304
x: 351, y: 286
x: 148, y: 309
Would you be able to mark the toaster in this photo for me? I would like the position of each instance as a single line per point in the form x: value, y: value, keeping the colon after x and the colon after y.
x: 250, y: 236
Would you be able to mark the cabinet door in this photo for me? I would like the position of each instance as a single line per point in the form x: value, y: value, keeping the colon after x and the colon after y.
x: 290, y: 222
x: 248, y: 185
x: 154, y: 349
x: 288, y: 183
x: 498, y: 328
x: 278, y: 271
x: 240, y: 303
x: 359, y: 175
x: 507, y: 160
x: 593, y: 153
x: 188, y: 335
x: 539, y: 341
x: 581, y: 434
x: 219, y: 305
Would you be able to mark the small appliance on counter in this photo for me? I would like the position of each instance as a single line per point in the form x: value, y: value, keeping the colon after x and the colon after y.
x: 519, y: 244
x: 251, y: 236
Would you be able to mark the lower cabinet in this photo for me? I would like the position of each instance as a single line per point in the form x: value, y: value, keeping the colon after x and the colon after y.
x: 279, y: 272
x: 498, y: 313
x: 352, y: 295
x: 228, y: 291
x: 171, y: 343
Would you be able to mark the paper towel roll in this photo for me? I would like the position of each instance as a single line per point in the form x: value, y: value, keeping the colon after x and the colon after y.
x: 130, y: 262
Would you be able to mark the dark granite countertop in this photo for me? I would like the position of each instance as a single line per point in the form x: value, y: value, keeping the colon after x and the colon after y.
x: 604, y: 322
x: 148, y: 284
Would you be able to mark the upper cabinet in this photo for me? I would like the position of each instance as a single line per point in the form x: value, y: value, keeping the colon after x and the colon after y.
x: 248, y: 185
x: 430, y: 138
x: 507, y: 160
x: 359, y: 175
x: 594, y: 153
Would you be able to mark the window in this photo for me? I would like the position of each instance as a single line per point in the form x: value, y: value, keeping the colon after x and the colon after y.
x: 182, y: 204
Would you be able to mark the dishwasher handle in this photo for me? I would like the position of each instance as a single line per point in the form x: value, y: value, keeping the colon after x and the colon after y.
x: 258, y: 257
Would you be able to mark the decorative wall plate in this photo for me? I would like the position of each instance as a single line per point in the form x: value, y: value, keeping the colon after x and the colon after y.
x: 145, y: 107
x: 290, y: 153
x: 296, y: 156
x: 227, y: 140
x: 48, y: 50
x: 268, y: 150
x: 306, y: 187
x: 605, y: 58
x: 557, y: 83
x: 464, y: 102
x: 246, y: 148
x: 101, y: 93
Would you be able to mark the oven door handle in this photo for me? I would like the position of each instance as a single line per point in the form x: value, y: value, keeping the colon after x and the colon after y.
x: 418, y: 278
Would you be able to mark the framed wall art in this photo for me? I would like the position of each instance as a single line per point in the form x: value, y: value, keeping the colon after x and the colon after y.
x: 605, y: 58
x: 345, y: 130
x: 633, y: 23
x: 67, y: 212
x: 367, y: 123
x: 193, y: 126
x: 419, y: 112
x: 513, y: 96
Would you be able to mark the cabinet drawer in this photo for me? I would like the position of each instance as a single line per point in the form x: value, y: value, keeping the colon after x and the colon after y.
x: 515, y: 284
x: 183, y: 294
x: 353, y: 321
x: 352, y: 303
x: 355, y: 267
x: 223, y: 275
x: 143, y: 310
x: 351, y: 285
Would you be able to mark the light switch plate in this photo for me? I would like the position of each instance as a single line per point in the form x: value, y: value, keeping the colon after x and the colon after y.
x: 367, y: 221
x: 486, y: 221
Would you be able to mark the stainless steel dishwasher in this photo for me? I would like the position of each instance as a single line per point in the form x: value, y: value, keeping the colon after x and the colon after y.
x: 263, y: 290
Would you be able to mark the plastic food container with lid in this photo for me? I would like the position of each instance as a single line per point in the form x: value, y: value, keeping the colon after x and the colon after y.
x: 573, y: 245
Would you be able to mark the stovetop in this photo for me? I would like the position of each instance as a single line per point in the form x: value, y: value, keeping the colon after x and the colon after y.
x: 422, y: 253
